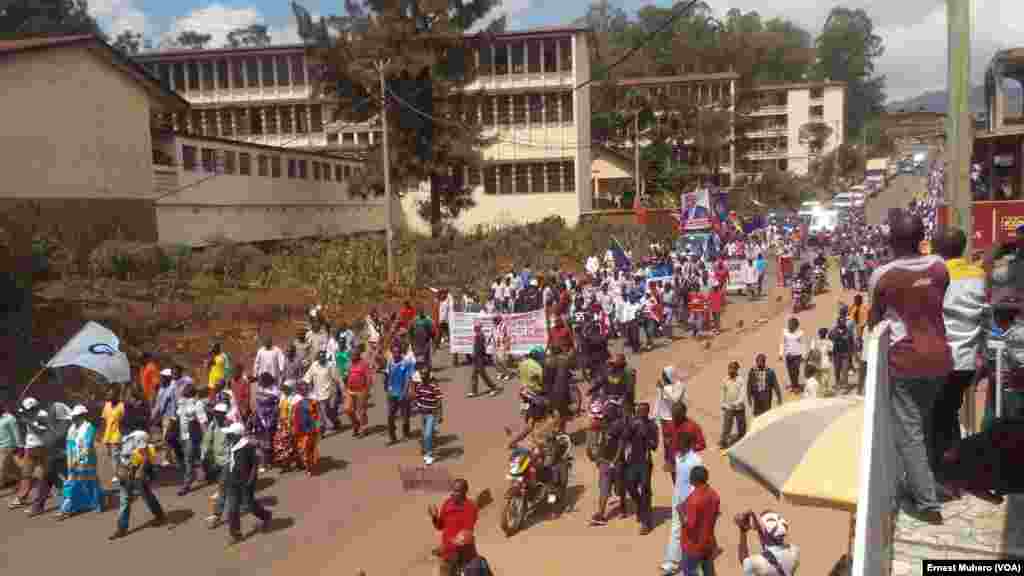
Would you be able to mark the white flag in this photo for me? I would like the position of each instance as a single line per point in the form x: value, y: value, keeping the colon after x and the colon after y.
x: 97, y: 349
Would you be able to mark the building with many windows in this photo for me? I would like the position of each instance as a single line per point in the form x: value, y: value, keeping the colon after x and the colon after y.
x: 772, y: 133
x: 528, y: 95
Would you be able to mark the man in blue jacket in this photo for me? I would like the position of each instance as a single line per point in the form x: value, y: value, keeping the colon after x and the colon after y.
x: 397, y: 378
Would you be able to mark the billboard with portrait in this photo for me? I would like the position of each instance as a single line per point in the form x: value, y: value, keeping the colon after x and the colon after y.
x: 695, y: 209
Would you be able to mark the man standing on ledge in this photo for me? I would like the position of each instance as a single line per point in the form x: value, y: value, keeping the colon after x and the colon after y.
x: 909, y: 292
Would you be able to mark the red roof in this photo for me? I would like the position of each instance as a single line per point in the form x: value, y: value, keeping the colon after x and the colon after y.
x: 20, y: 44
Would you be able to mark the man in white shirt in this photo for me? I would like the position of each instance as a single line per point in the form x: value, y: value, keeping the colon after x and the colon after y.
x: 325, y: 383
x: 444, y: 317
x: 317, y: 338
x: 776, y: 558
x: 269, y: 360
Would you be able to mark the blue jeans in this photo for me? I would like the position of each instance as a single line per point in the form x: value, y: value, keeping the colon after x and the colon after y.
x: 429, y: 421
x: 125, y: 511
x: 705, y: 565
x: 912, y: 401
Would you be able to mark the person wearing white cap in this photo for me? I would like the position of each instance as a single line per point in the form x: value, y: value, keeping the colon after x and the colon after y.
x: 82, y: 488
x: 214, y: 455
x: 240, y: 481
x: 136, y: 471
x: 35, y: 451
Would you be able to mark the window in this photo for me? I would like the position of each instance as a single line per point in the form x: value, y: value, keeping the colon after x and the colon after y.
x: 188, y: 157
x: 300, y: 119
x: 316, y: 123
x: 533, y: 50
x: 486, y: 58
x: 226, y: 127
x: 292, y: 168
x: 303, y: 170
x: 252, y: 72
x: 378, y: 190
x: 244, y: 122
x: 506, y: 179
x: 267, y: 63
x: 298, y: 71
x: 487, y: 104
x: 817, y: 111
x: 327, y: 172
x: 332, y: 138
x: 474, y: 177
x: 554, y: 173
x: 501, y: 59
x: 536, y: 106
x: 193, y: 75
x: 222, y: 74
x: 519, y: 109
x: 518, y: 58
x: 207, y: 75
x: 316, y: 170
x: 229, y: 162
x: 347, y: 171
x: 363, y: 138
x: 568, y: 177
x: 256, y: 121
x: 282, y: 70
x: 537, y: 178
x: 244, y: 163
x: 491, y: 180
x: 817, y: 93
x: 337, y: 173
x: 550, y: 61
x: 470, y: 109
x: 178, y: 71
x: 551, y: 108
x: 271, y: 127
x: 522, y: 178
x: 567, y: 108
x: 504, y: 114
x: 165, y: 75
x: 196, y: 126
x: 262, y: 165
x: 209, y: 160
x: 286, y: 119
x: 275, y: 166
x: 237, y: 78
x: 565, y: 55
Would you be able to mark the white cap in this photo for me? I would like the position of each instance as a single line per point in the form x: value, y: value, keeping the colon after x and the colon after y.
x: 166, y: 372
x: 79, y: 410
x: 29, y: 403
x: 236, y: 429
x: 222, y: 407
x: 140, y: 436
x: 416, y: 377
x: 42, y: 414
x: 533, y: 282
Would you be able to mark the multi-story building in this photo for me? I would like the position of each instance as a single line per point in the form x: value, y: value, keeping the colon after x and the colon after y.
x: 528, y: 96
x: 772, y: 130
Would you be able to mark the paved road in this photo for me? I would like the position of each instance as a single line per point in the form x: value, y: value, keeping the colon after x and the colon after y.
x: 357, y: 516
x: 898, y: 194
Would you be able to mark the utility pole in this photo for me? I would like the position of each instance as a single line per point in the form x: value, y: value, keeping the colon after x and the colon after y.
x: 958, y: 137
x: 381, y: 65
x: 636, y: 154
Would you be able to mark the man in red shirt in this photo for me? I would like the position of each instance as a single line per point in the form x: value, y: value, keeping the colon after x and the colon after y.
x: 679, y: 425
x: 908, y: 293
x: 701, y: 510
x: 456, y: 520
x: 406, y: 316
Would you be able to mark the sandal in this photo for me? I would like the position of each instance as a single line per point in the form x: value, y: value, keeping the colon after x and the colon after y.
x: 61, y: 516
x: 16, y: 503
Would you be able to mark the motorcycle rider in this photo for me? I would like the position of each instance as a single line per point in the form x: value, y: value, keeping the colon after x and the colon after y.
x: 619, y: 385
x: 541, y: 430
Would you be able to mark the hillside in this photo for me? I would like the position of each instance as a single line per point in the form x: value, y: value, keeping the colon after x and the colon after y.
x: 936, y: 101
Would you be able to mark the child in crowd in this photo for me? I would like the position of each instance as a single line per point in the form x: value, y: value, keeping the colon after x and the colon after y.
x: 811, y: 385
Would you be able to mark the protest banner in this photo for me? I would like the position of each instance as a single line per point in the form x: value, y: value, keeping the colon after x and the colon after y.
x: 526, y: 330
x: 736, y: 281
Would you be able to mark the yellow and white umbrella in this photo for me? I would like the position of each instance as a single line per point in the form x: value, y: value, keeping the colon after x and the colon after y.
x: 807, y: 451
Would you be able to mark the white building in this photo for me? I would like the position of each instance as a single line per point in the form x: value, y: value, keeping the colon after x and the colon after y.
x: 538, y: 166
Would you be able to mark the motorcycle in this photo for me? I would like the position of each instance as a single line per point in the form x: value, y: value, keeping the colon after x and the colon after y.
x: 820, y: 282
x: 527, y: 492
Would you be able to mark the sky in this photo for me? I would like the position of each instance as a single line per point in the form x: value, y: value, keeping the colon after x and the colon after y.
x: 914, y: 31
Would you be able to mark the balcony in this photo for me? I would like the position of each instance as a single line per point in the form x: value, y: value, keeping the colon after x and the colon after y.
x: 165, y: 179
x: 769, y: 110
x: 768, y: 154
x: 297, y: 93
x: 767, y: 132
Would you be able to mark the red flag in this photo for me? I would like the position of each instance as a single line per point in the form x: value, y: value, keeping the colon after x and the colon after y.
x: 639, y: 210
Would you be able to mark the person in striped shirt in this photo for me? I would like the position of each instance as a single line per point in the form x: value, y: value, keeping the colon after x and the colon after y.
x: 428, y: 404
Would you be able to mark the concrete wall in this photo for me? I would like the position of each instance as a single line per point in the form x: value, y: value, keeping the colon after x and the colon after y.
x: 252, y: 208
x: 835, y: 115
x: 798, y: 105
x: 498, y: 210
x: 581, y: 101
x: 72, y: 127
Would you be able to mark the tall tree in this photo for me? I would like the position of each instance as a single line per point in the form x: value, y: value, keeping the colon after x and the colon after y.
x: 42, y: 17
x: 129, y: 42
x: 252, y: 35
x: 847, y: 49
x: 432, y: 135
x: 193, y: 40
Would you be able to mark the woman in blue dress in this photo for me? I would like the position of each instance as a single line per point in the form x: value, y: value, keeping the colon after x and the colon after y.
x: 82, y: 488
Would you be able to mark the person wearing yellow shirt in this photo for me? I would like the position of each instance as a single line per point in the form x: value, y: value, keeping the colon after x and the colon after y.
x: 113, y: 414
x: 217, y: 364
x: 135, y: 469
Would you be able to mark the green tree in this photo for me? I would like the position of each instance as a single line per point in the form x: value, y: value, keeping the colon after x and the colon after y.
x: 128, y: 42
x: 847, y: 49
x: 815, y: 135
x: 44, y: 17
x: 432, y: 136
x: 193, y: 40
x: 252, y: 35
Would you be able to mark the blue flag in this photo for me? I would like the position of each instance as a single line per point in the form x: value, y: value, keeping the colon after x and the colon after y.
x: 619, y: 253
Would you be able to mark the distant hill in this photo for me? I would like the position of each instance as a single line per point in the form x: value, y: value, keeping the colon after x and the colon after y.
x: 937, y: 100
